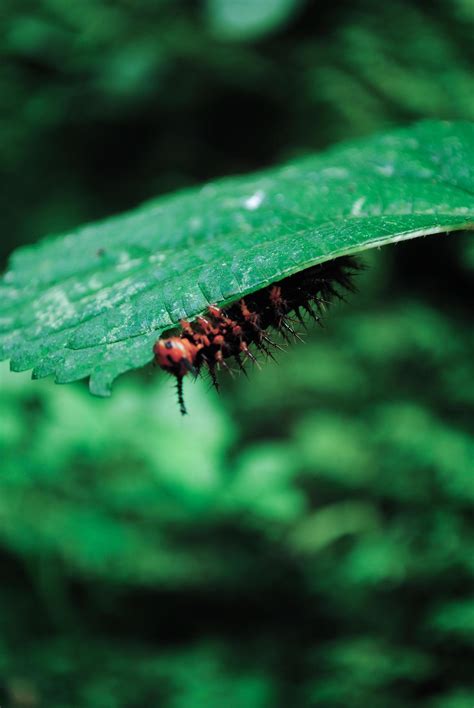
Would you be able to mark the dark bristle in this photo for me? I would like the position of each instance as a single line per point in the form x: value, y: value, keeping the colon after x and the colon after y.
x: 212, y: 374
x: 253, y: 359
x: 179, y: 388
x: 299, y: 316
x: 240, y: 364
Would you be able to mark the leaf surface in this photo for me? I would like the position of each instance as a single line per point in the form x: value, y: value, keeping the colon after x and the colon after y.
x: 93, y: 302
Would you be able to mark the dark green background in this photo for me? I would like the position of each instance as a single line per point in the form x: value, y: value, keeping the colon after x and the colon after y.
x: 305, y: 539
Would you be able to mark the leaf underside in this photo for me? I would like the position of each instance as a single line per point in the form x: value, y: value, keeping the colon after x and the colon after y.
x: 93, y: 302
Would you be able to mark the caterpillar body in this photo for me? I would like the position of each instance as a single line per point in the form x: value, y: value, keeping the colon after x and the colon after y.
x: 230, y: 332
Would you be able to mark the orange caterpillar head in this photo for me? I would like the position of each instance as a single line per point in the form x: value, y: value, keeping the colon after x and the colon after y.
x: 176, y: 355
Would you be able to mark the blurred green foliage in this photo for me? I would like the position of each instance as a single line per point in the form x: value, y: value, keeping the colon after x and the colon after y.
x: 306, y: 538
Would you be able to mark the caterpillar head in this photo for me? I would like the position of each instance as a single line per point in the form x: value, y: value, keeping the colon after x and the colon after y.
x: 176, y: 355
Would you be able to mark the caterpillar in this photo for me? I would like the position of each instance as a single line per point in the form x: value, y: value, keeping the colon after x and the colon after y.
x: 229, y: 332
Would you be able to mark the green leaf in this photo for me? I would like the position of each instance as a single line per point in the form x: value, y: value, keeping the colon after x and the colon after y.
x: 92, y: 302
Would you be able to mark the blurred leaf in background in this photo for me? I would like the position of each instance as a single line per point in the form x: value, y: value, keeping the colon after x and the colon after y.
x: 305, y: 539
x: 246, y: 19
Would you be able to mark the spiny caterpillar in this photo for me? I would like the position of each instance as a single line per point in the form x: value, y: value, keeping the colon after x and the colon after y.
x: 229, y: 332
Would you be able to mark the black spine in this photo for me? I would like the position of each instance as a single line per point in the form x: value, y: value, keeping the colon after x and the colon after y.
x: 179, y: 388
